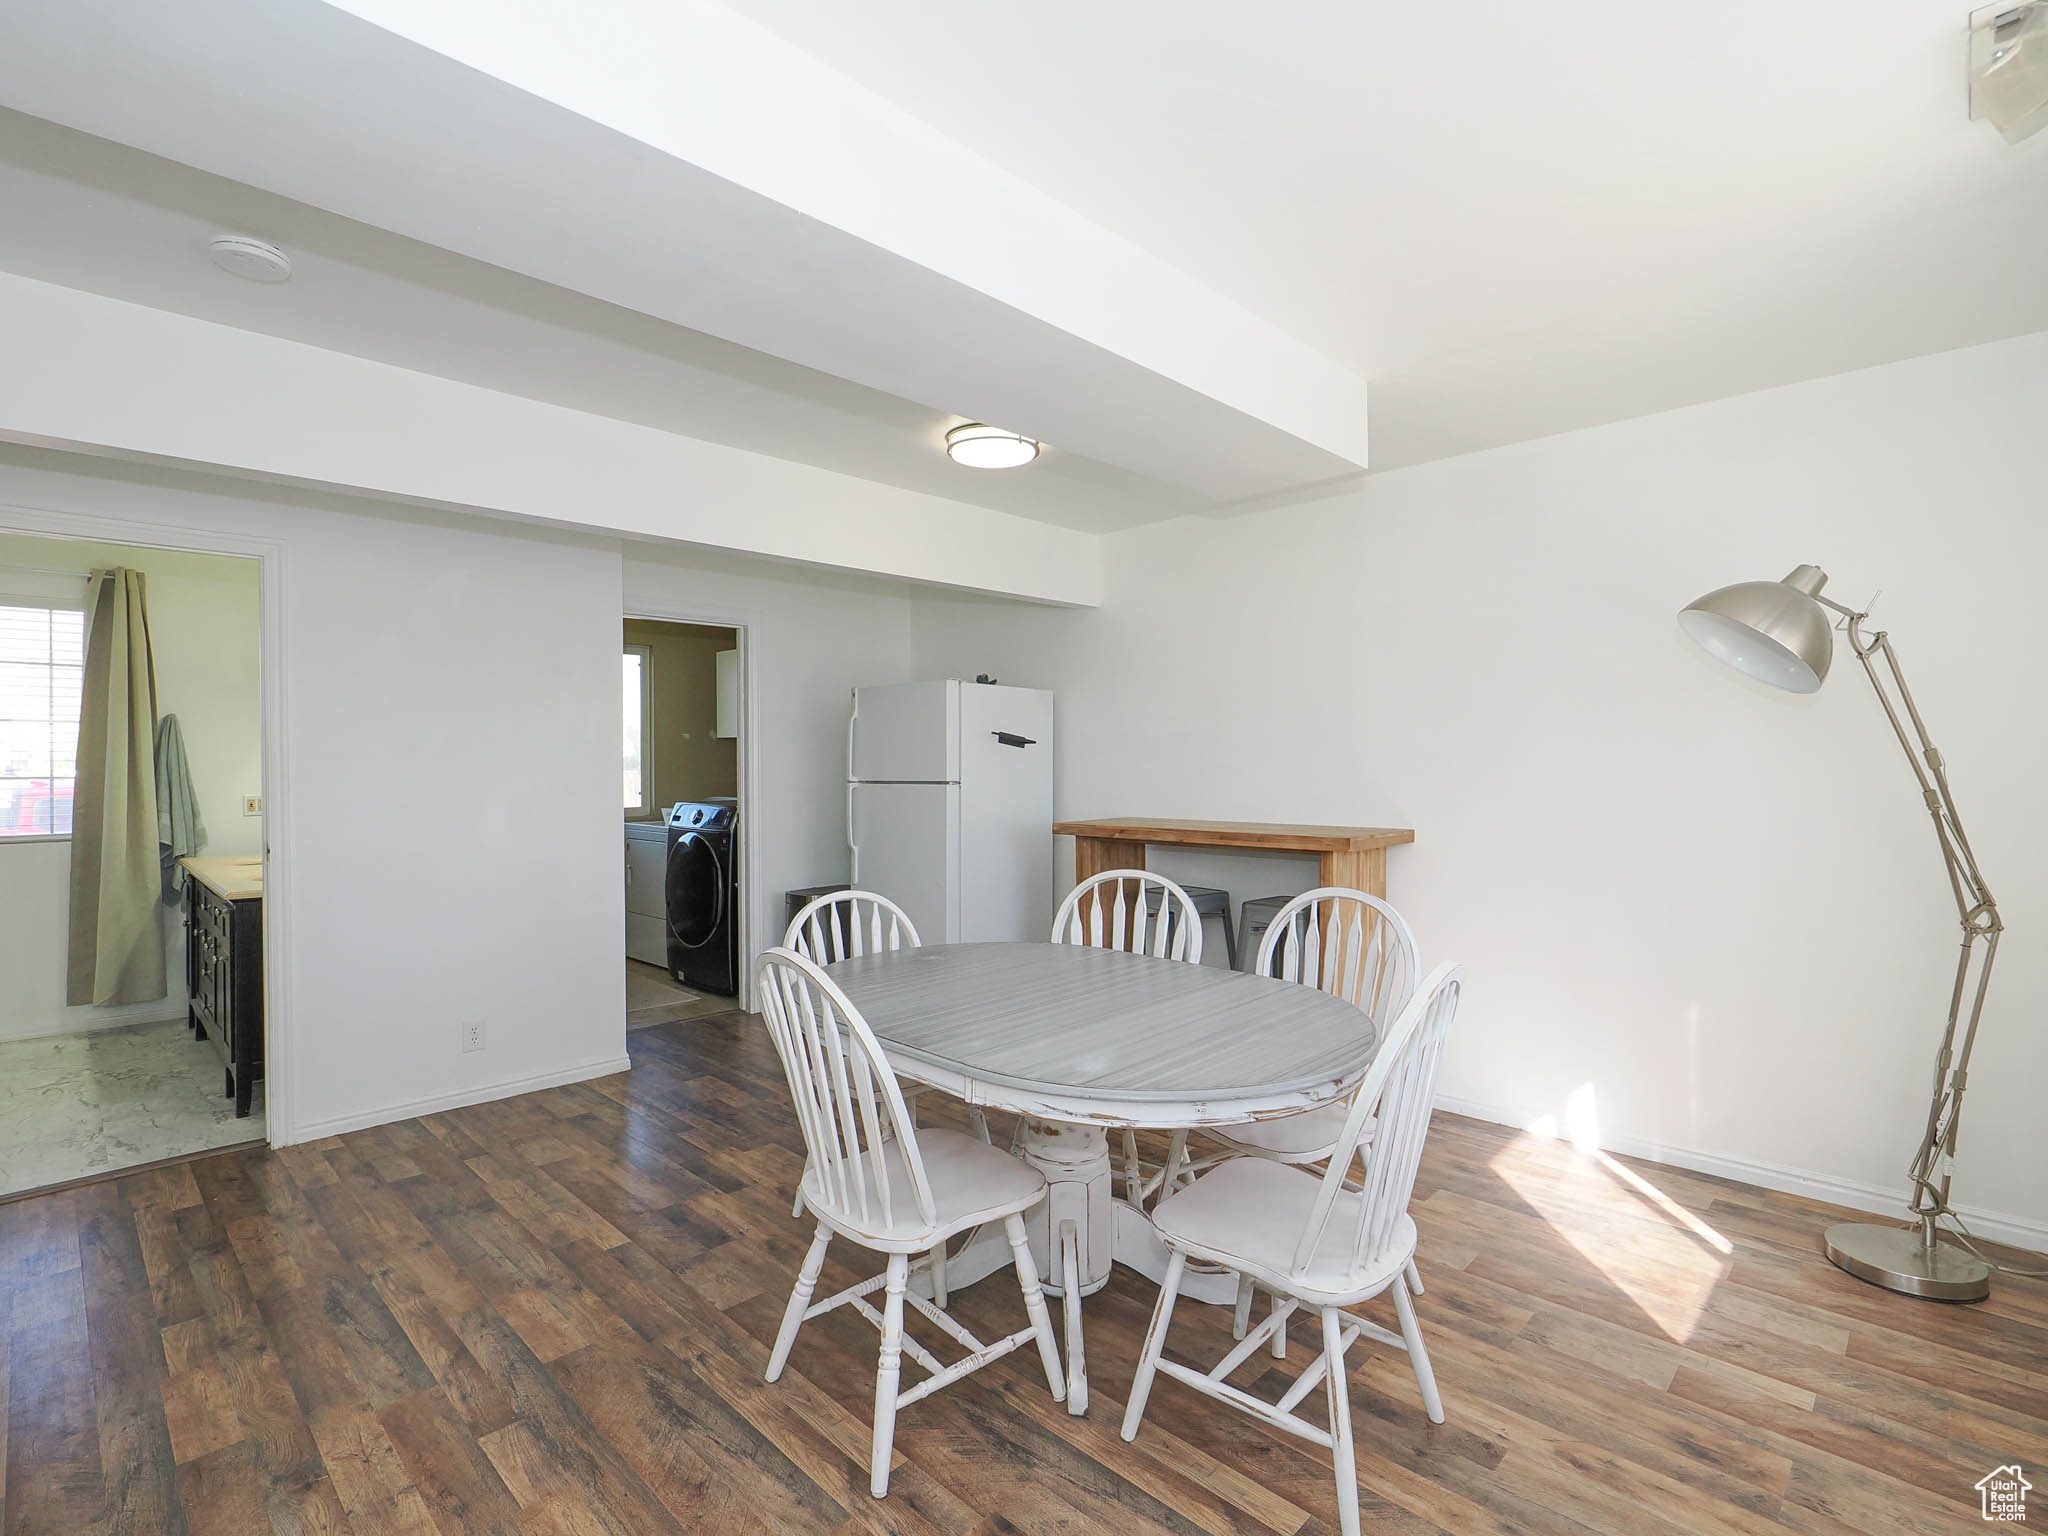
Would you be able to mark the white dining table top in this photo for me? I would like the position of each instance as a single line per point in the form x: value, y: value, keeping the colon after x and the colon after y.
x: 1034, y: 1026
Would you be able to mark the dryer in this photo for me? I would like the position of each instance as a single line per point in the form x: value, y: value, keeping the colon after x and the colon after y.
x: 703, y: 896
x: 647, y: 891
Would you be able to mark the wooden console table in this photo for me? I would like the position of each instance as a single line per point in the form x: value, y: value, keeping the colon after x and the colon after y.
x: 1350, y: 856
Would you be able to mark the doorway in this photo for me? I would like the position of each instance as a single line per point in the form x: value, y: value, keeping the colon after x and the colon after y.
x: 684, y: 717
x: 146, y: 1045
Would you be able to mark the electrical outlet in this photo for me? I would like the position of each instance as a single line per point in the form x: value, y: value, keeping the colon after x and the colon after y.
x: 473, y: 1035
x: 252, y: 805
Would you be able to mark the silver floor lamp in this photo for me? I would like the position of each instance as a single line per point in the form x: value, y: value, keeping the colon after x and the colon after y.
x: 1780, y: 632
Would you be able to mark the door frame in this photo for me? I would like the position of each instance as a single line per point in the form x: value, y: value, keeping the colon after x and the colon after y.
x: 745, y: 625
x: 279, y: 1098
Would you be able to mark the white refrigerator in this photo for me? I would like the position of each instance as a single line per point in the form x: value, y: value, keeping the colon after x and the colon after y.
x: 949, y: 806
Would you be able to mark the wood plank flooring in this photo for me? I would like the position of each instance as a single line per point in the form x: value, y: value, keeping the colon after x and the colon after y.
x: 549, y: 1317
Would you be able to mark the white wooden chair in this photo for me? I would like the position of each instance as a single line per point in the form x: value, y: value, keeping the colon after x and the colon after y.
x: 874, y: 1179
x: 1315, y: 1240
x: 838, y: 926
x: 1350, y: 944
x: 1131, y: 909
x: 842, y: 924
x: 1147, y: 914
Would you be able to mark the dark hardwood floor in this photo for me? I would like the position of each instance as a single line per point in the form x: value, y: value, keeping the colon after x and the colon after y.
x: 550, y: 1315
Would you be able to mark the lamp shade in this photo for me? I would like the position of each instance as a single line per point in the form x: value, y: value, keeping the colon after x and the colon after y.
x: 1772, y: 630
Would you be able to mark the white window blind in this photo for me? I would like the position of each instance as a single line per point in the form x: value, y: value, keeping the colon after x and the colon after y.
x: 42, y: 671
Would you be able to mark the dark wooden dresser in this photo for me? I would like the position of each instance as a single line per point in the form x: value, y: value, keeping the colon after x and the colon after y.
x: 224, y: 965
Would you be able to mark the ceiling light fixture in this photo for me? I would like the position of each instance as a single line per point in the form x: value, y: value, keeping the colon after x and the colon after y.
x: 2009, y: 67
x: 246, y: 256
x: 984, y: 447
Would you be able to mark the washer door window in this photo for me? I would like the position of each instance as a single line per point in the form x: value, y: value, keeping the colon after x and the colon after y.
x: 696, y: 891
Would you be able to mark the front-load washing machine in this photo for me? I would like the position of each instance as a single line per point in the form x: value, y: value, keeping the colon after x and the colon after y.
x: 703, y: 897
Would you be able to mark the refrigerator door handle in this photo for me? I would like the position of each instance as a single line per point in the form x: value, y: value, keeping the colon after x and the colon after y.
x: 853, y: 871
x: 852, y: 719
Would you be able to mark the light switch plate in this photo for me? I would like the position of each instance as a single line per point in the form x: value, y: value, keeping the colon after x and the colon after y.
x: 252, y: 805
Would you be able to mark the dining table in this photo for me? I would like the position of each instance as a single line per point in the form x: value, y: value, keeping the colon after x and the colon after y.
x: 1079, y: 1041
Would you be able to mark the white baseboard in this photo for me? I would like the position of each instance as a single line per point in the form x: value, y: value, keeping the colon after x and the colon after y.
x: 86, y: 1021
x: 1992, y: 1226
x: 459, y: 1098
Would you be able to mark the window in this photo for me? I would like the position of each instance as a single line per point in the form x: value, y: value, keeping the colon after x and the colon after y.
x: 42, y: 670
x: 639, y: 680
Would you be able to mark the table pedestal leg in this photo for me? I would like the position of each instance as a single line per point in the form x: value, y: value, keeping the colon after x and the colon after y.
x: 1075, y: 1162
x: 1076, y: 1233
x: 1075, y: 1228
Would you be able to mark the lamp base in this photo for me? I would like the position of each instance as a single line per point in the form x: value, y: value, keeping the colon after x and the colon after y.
x: 1894, y: 1258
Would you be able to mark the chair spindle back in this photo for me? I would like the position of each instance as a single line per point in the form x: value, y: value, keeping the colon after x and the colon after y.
x: 847, y: 1100
x: 843, y: 924
x: 1134, y: 910
x: 1350, y: 944
x: 1396, y: 1099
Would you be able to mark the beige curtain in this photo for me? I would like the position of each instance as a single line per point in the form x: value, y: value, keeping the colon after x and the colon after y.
x: 117, y: 922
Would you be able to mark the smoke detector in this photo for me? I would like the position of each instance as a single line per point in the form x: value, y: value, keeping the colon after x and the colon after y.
x: 2009, y: 67
x: 246, y: 256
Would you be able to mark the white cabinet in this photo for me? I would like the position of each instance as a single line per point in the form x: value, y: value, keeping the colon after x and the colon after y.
x: 728, y: 694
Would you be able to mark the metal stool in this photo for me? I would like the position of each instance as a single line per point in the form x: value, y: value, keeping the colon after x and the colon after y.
x: 1258, y: 915
x: 1210, y: 902
x: 801, y: 898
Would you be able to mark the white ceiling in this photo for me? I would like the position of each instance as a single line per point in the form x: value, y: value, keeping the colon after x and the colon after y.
x: 91, y: 214
x: 684, y: 163
x: 1514, y: 219
x: 1181, y: 234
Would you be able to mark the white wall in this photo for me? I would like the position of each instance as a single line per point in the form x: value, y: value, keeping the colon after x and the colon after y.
x: 1720, y: 906
x: 810, y: 639
x: 446, y: 822
x: 203, y: 624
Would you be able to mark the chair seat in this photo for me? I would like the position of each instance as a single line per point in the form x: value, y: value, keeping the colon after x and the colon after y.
x: 1308, y: 1137
x: 1249, y: 1214
x: 971, y: 1182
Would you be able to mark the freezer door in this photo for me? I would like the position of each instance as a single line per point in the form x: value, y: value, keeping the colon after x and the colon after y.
x: 905, y: 733
x: 1006, y: 741
x: 906, y: 846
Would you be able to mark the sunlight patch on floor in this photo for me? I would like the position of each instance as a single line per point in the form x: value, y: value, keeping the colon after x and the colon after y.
x: 1648, y: 1246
